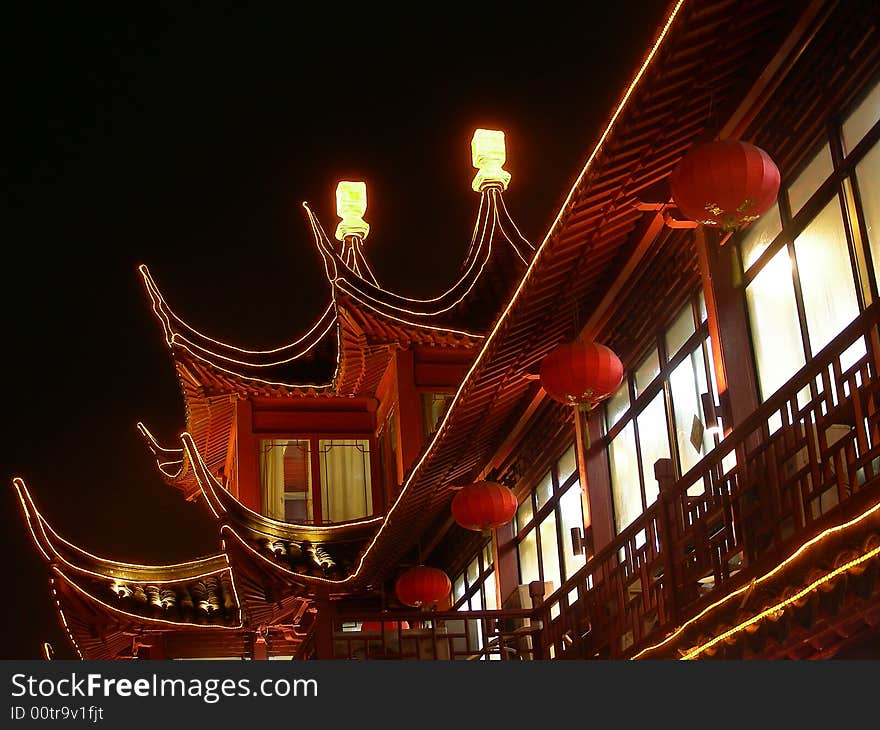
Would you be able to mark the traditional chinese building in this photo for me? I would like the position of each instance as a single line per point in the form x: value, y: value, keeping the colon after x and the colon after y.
x: 724, y: 501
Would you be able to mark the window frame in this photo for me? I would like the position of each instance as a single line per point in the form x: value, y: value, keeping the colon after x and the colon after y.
x: 315, y: 470
x: 843, y: 185
x: 661, y: 383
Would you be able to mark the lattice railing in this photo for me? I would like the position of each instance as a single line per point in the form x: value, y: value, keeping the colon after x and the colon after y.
x: 471, y: 635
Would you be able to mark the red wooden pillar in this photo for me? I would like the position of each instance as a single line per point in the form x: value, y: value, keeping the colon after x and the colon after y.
x: 664, y: 472
x: 410, y: 429
x: 325, y: 623
x: 599, y: 486
x: 728, y: 327
x: 506, y: 563
x: 248, y: 476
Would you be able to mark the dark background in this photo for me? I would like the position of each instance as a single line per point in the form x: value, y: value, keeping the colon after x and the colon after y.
x: 186, y: 139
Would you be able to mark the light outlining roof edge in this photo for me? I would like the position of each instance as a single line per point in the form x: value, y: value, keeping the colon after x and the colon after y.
x: 168, y: 313
x: 163, y: 311
x: 478, y: 255
x: 31, y: 512
x: 694, y: 652
x: 179, y: 461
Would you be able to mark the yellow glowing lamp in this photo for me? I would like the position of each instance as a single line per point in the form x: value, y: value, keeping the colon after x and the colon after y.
x: 489, y: 155
x: 351, y: 204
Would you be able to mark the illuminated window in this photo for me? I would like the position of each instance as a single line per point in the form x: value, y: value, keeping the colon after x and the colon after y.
x: 285, y: 470
x: 474, y: 588
x: 346, y: 492
x: 658, y: 412
x: 342, y: 492
x: 544, y: 522
x: 805, y: 289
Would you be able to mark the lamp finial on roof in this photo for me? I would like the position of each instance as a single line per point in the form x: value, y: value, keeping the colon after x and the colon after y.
x: 489, y: 153
x: 351, y: 204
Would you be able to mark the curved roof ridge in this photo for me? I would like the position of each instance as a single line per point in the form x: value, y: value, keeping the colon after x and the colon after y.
x: 180, y: 333
x: 492, y: 217
x: 58, y: 550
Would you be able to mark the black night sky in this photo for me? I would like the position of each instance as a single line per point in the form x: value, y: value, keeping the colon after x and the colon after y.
x: 186, y: 140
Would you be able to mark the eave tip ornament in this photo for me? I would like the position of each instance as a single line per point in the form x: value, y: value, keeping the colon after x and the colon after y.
x: 351, y: 204
x: 725, y: 184
x: 489, y: 154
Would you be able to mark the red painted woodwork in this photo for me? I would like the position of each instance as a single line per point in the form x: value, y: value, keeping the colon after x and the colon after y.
x: 422, y: 586
x: 387, y: 625
x: 248, y: 476
x: 411, y: 430
x: 581, y: 373
x: 725, y: 183
x: 483, y: 506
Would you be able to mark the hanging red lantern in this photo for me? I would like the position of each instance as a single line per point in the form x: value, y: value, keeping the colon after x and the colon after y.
x: 725, y: 183
x: 391, y: 626
x: 581, y: 373
x: 422, y: 586
x: 483, y: 506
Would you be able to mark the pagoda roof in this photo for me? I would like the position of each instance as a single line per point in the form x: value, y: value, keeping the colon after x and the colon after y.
x: 105, y: 603
x: 347, y: 349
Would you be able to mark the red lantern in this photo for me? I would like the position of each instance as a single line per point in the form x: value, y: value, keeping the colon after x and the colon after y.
x: 727, y: 184
x: 483, y: 506
x: 389, y: 625
x: 422, y: 586
x: 581, y: 373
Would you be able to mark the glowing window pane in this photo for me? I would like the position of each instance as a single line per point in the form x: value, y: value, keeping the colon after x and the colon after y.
x: 654, y: 443
x: 571, y: 514
x: 647, y: 370
x: 528, y: 558
x: 346, y: 492
x: 679, y: 331
x: 617, y: 405
x: 814, y: 174
x: 286, y: 479
x: 550, y: 552
x: 863, y: 117
x: 626, y: 488
x: 524, y: 514
x: 826, y: 277
x: 759, y: 235
x: 567, y: 465
x: 544, y: 490
x: 704, y: 314
x: 473, y: 572
x: 686, y: 383
x: 868, y: 177
x: 458, y: 588
x: 489, y: 596
x: 773, y: 316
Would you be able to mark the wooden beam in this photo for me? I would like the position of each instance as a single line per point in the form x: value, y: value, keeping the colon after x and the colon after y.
x: 776, y: 71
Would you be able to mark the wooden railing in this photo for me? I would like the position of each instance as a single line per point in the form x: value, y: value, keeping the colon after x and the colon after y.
x: 471, y: 635
x: 770, y: 485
